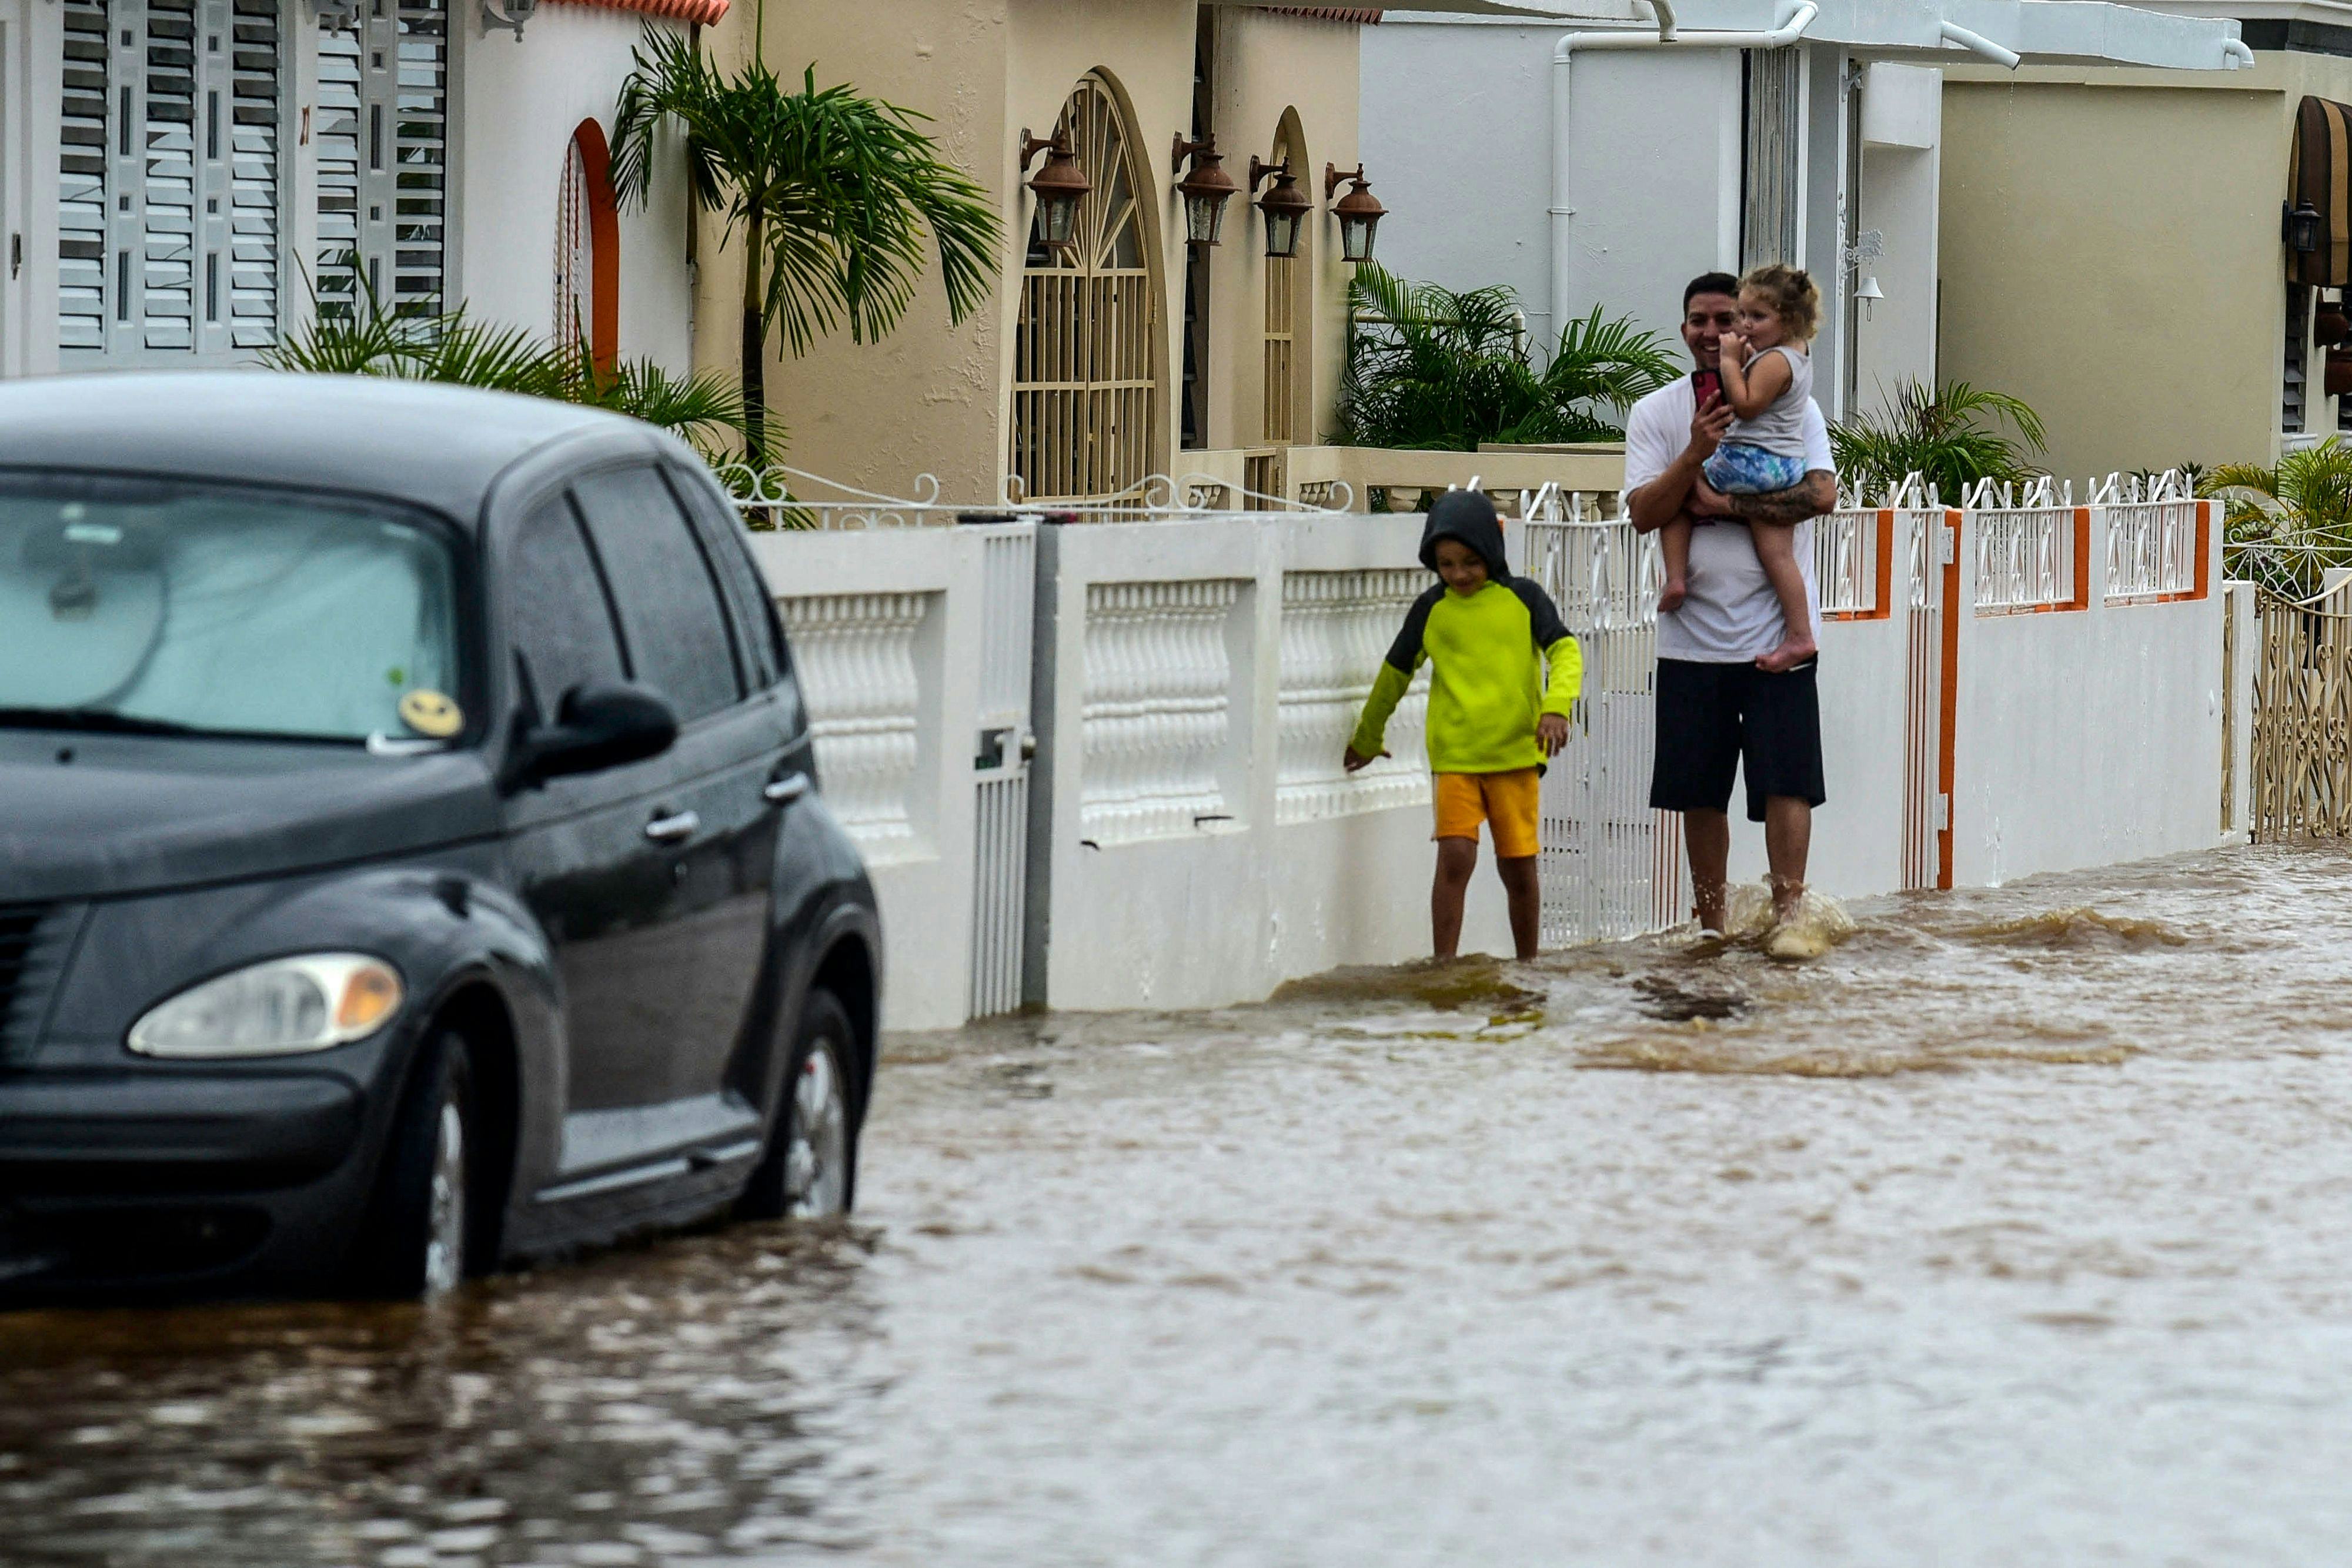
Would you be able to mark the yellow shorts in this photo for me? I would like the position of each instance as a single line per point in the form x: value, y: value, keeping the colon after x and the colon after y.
x: 1506, y: 799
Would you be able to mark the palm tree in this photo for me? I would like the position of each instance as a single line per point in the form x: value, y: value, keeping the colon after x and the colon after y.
x: 1948, y: 434
x: 833, y: 193
x: 1431, y: 369
x: 2283, y: 527
x: 410, y: 343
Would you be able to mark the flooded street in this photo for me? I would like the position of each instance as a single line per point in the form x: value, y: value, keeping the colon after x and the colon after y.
x: 2019, y: 1230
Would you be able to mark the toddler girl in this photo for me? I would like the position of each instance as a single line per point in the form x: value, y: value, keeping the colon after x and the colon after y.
x: 1768, y: 378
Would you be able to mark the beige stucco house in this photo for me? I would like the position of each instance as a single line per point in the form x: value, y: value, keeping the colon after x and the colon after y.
x: 2112, y: 250
x: 1137, y: 356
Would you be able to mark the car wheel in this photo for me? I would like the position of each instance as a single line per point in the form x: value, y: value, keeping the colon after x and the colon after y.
x: 810, y: 1170
x: 421, y: 1239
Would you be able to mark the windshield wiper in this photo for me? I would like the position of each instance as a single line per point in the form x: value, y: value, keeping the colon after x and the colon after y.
x: 90, y: 718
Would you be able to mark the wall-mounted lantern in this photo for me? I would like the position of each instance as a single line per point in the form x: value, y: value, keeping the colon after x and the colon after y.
x: 1060, y: 186
x: 2299, y: 227
x: 1285, y: 206
x: 1360, y: 212
x: 1206, y: 189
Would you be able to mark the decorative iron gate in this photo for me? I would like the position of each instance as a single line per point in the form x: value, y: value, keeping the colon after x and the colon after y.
x: 1000, y: 767
x: 2302, y: 718
x: 1611, y: 867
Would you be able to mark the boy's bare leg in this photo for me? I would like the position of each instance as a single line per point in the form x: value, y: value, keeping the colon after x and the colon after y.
x: 1456, y: 858
x: 1776, y: 551
x: 1523, y: 884
x: 1788, y: 844
x: 1674, y: 544
x: 1707, y: 837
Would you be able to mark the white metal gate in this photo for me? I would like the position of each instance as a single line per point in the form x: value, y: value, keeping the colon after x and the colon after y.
x: 1611, y: 867
x: 1000, y: 767
x: 1932, y: 555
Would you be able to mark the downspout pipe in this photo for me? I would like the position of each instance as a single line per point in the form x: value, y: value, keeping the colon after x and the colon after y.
x: 1791, y: 29
x: 1977, y: 44
x: 2239, y: 53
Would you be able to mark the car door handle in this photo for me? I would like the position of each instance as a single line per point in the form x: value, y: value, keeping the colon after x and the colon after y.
x: 785, y: 791
x: 670, y: 828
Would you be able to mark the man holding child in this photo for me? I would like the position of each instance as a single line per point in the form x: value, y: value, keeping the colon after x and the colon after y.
x: 1737, y: 626
x: 1721, y: 705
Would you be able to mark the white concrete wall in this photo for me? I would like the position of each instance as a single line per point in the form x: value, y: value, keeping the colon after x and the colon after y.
x: 514, y: 104
x: 1858, y: 834
x: 1221, y: 899
x: 2086, y: 736
x: 885, y: 631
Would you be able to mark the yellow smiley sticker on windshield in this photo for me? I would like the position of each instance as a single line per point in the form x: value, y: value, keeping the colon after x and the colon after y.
x: 429, y: 713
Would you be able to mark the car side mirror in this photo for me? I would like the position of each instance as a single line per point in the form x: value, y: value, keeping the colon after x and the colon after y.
x: 597, y: 726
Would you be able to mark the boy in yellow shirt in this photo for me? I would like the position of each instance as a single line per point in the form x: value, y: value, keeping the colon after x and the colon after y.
x: 1504, y: 674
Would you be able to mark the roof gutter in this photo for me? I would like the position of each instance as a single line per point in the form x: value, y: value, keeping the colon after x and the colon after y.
x: 1797, y: 19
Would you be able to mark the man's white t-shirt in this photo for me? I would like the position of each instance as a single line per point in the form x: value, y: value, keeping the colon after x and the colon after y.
x: 1731, y: 615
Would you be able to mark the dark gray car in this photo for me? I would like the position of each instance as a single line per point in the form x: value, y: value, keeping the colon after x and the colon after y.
x: 409, y: 854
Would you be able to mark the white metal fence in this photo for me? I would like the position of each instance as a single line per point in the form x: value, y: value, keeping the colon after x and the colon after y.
x: 2026, y: 545
x: 2151, y: 536
x: 1611, y: 866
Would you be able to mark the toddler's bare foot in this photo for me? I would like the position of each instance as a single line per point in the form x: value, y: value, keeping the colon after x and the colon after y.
x: 1671, y: 596
x: 1793, y: 651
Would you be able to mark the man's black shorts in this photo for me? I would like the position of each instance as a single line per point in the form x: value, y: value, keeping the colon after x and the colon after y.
x: 1714, y: 718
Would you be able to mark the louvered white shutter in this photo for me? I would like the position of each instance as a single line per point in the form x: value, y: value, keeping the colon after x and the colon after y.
x: 168, y: 199
x: 382, y: 156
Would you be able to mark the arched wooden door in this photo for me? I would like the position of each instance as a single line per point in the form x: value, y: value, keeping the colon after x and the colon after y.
x: 1086, y: 357
x: 588, y: 247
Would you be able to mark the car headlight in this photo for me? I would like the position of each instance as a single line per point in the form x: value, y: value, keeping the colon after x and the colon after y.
x: 275, y: 1008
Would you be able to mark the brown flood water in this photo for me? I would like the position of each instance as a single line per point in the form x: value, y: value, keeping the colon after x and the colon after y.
x: 2018, y: 1231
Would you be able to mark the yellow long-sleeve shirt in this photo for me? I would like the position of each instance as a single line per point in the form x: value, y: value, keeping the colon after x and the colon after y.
x: 1500, y: 659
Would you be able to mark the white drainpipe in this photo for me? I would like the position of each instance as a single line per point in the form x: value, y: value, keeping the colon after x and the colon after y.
x: 1977, y: 44
x: 2239, y: 53
x: 1792, y: 27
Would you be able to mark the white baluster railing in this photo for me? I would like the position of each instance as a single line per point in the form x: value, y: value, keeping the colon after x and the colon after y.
x: 1157, y: 705
x: 856, y: 657
x: 1336, y: 629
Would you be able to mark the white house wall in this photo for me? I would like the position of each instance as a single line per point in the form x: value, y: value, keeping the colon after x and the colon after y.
x: 1902, y: 165
x: 1457, y: 144
x: 513, y: 107
x: 1461, y: 148
x: 517, y: 102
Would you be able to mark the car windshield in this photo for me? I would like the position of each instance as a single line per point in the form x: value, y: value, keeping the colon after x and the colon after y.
x: 168, y: 606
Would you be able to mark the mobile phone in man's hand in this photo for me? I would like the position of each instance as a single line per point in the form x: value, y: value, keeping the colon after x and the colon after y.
x: 1707, y: 383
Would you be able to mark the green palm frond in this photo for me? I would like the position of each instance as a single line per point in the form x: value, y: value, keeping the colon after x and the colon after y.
x: 1429, y: 368
x: 840, y: 195
x: 2286, y: 526
x: 407, y: 343
x: 1949, y: 434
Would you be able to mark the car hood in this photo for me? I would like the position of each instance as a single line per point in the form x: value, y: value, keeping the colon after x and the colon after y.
x: 91, y: 816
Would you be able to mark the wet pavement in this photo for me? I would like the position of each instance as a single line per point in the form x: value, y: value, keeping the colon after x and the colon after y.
x: 2019, y: 1230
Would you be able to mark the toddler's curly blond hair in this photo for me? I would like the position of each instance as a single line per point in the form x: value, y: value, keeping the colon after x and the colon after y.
x: 1792, y: 296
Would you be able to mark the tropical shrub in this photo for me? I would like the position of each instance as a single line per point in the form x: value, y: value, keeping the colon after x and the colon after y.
x: 2283, y: 527
x: 1949, y: 434
x: 1432, y: 369
x: 374, y: 338
x: 831, y: 194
